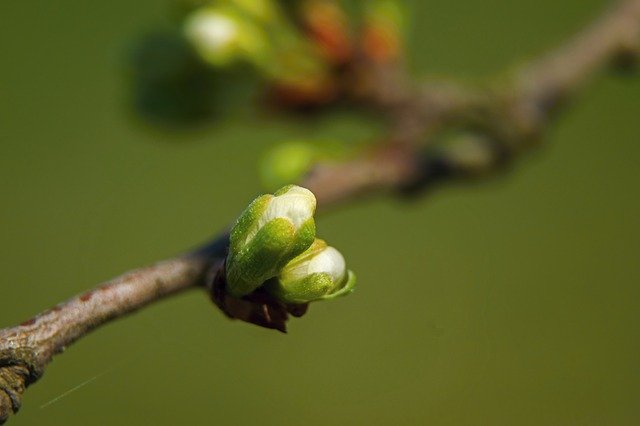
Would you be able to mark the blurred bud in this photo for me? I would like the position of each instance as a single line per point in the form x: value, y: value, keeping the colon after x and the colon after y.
x: 317, y: 274
x: 327, y: 25
x: 287, y: 162
x: 170, y: 82
x: 269, y: 233
x: 223, y: 36
x: 384, y: 25
x: 214, y: 34
x: 291, y: 161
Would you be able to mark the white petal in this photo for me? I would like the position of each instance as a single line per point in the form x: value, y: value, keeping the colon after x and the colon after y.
x: 329, y: 261
x: 297, y: 204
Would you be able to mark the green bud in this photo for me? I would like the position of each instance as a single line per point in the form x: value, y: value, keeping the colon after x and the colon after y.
x: 287, y: 162
x: 291, y: 161
x: 317, y: 274
x: 268, y: 234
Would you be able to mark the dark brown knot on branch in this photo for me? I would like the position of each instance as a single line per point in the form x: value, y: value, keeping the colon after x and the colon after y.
x: 259, y: 307
x: 13, y: 380
x: 18, y: 369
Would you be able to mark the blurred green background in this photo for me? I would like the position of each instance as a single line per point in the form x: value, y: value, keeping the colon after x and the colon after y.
x: 515, y: 301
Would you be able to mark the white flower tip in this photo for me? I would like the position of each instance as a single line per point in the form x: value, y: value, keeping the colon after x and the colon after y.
x: 297, y: 204
x: 329, y: 261
x: 325, y: 260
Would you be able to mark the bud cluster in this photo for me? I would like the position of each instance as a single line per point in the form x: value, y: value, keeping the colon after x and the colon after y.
x: 274, y: 245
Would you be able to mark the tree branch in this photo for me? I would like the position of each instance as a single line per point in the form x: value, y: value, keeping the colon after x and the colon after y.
x: 494, y: 123
x: 548, y: 81
x: 26, y: 349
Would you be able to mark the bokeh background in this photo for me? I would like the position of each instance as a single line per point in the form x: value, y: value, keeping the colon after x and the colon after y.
x: 515, y: 301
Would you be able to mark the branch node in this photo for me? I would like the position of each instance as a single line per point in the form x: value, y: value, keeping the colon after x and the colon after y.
x: 13, y: 381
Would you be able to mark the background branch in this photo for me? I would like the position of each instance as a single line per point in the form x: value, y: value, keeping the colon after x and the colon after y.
x: 493, y: 123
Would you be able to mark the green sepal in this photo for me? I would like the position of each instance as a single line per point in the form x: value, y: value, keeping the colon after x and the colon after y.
x: 302, y: 241
x: 312, y: 287
x: 258, y: 259
x: 347, y: 288
x: 247, y: 221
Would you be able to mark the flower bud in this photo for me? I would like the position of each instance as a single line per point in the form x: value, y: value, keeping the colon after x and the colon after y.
x: 385, y: 22
x: 287, y: 162
x: 268, y: 234
x: 222, y: 36
x: 317, y: 274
